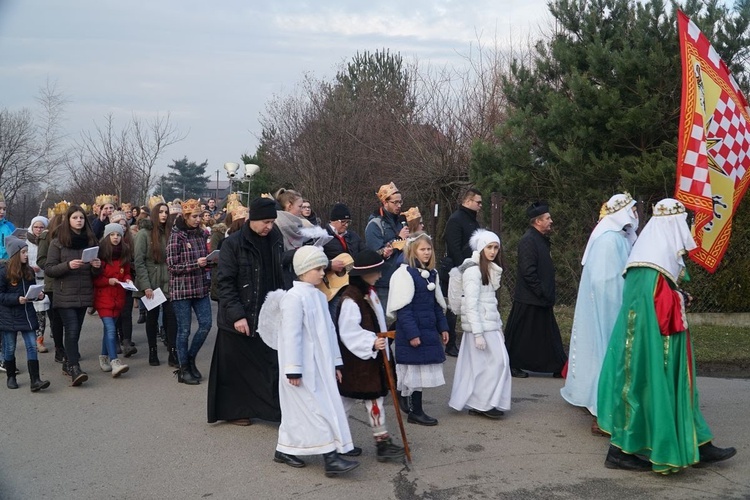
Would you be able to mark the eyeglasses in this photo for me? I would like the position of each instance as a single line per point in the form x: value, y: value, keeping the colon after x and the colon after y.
x: 397, y: 202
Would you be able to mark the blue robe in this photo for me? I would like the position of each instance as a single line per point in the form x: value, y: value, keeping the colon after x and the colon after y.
x: 597, y: 306
x: 6, y: 229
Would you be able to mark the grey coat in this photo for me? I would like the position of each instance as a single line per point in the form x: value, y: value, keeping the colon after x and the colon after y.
x: 72, y: 288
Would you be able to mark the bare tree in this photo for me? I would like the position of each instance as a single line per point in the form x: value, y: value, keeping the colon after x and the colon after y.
x: 148, y: 140
x: 30, y: 147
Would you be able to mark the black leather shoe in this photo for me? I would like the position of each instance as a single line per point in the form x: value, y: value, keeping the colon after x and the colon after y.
x: 494, y: 413
x: 518, y: 373
x: 423, y: 419
x: 710, y: 453
x: 451, y: 350
x: 618, y: 459
x: 355, y: 452
x: 290, y: 460
x: 336, y: 465
x: 404, y: 404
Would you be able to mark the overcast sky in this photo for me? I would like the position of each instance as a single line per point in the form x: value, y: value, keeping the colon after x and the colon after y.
x: 214, y: 65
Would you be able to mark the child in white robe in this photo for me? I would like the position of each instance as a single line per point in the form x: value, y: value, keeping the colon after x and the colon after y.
x: 313, y: 420
x: 482, y: 380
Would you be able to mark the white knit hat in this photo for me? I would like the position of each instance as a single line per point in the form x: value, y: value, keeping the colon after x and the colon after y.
x: 308, y: 257
x: 481, y: 238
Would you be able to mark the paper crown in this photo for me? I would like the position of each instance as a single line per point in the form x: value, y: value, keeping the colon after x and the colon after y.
x: 668, y: 206
x: 612, y: 206
x: 86, y: 208
x: 103, y: 199
x: 412, y: 213
x: 239, y: 212
x: 191, y: 206
x: 2, y: 197
x: 60, y: 207
x: 267, y: 195
x: 155, y: 200
x: 125, y: 207
x: 386, y: 191
x: 233, y: 201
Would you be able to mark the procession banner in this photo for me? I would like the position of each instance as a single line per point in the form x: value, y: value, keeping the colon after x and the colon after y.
x: 713, y: 152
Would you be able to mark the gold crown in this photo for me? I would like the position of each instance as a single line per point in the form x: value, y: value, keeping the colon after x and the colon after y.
x: 60, y: 207
x: 616, y: 207
x: 668, y: 207
x: 86, y: 208
x: 125, y: 207
x: 239, y: 212
x: 267, y: 195
x: 412, y: 213
x: 2, y: 197
x: 155, y: 200
x: 233, y: 201
x: 103, y: 199
x: 191, y: 206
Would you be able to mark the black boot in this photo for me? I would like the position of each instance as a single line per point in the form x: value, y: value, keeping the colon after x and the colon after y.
x: 404, y: 402
x: 77, y: 376
x: 618, y: 459
x: 194, y: 369
x: 708, y: 452
x: 336, y: 465
x: 10, y: 367
x: 417, y: 415
x: 387, y: 451
x: 172, y: 360
x: 59, y: 354
x: 185, y: 377
x: 36, y: 382
x: 65, y: 368
x: 153, y: 356
x: 128, y: 349
x: 141, y: 317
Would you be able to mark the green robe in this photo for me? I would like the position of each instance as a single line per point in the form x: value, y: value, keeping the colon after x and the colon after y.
x: 648, y: 399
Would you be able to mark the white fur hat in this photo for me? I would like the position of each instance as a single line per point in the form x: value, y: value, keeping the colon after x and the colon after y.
x: 308, y: 257
x: 481, y: 238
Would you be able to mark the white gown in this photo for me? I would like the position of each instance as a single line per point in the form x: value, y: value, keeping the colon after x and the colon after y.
x: 482, y: 380
x: 313, y: 420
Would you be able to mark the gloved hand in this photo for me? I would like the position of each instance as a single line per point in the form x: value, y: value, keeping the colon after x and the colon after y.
x: 479, y: 342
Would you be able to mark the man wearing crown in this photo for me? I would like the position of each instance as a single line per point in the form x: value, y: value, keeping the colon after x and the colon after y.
x: 647, y: 398
x: 599, y: 299
x: 106, y: 204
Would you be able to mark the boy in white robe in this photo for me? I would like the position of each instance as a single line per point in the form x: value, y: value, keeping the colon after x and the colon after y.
x: 313, y: 420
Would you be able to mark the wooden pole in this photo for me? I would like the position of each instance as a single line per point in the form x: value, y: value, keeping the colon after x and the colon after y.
x: 392, y: 386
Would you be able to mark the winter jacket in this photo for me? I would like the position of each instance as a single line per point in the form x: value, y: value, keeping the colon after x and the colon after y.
x: 72, y: 288
x: 6, y: 229
x: 187, y: 280
x: 420, y: 312
x: 239, y: 274
x: 15, y: 317
x: 535, y: 281
x: 382, y: 228
x: 148, y: 272
x: 479, y: 311
x: 109, y: 300
x: 458, y: 230
x: 334, y: 248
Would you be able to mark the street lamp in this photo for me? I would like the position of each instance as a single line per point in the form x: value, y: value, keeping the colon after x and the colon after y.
x: 249, y: 170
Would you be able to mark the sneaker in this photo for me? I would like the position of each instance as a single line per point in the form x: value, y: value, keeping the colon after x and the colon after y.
x: 40, y: 347
x: 118, y: 367
x: 104, y: 363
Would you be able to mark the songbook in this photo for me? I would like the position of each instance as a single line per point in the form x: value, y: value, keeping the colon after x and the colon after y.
x: 33, y: 292
x: 90, y: 254
x: 158, y: 299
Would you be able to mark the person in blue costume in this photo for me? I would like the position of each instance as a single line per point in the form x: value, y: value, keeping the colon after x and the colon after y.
x: 6, y: 228
x: 599, y: 300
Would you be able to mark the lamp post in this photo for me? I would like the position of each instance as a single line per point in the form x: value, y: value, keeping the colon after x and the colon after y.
x: 233, y: 172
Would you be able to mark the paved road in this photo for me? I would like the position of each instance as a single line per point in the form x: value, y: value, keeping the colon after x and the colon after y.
x: 145, y: 436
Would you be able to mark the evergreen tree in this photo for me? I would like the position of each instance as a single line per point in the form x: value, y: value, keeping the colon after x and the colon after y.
x: 186, y: 180
x: 597, y: 113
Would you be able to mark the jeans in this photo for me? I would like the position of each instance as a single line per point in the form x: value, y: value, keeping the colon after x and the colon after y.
x: 9, y: 345
x: 109, y: 337
x: 202, y: 308
x: 72, y: 320
x: 169, y: 321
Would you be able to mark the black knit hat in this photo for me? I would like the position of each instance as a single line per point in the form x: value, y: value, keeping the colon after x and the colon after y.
x: 262, y: 209
x: 366, y: 262
x: 340, y: 212
x: 536, y: 209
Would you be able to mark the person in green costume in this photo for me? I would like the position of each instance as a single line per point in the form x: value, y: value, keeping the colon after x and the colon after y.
x: 648, y: 399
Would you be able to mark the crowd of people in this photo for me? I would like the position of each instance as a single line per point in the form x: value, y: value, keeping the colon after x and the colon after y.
x: 312, y: 319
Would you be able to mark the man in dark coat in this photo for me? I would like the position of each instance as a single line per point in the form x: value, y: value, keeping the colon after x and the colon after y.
x: 532, y: 335
x: 344, y: 241
x: 458, y: 230
x: 244, y: 377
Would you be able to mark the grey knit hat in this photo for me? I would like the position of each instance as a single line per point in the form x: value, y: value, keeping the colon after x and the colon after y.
x: 113, y: 227
x: 14, y: 245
